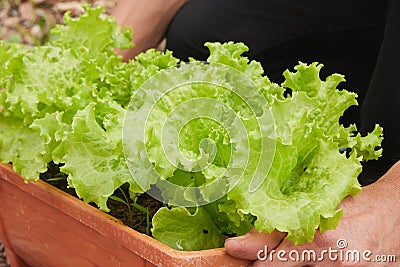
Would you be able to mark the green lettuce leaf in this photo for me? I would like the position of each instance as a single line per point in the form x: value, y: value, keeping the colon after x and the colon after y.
x: 93, y: 157
x: 309, y: 175
x: 181, y: 230
x: 62, y: 102
x: 23, y: 147
x: 92, y: 30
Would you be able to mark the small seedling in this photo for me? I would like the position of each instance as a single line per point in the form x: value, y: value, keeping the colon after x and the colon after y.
x: 129, y: 206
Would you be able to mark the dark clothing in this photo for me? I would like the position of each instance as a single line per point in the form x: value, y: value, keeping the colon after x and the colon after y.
x: 381, y: 103
x: 345, y: 35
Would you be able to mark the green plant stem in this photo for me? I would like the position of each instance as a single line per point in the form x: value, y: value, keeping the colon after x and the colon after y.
x: 147, y: 212
x: 127, y: 204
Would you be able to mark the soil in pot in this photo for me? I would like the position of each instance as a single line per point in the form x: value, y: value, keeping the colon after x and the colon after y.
x: 138, y: 218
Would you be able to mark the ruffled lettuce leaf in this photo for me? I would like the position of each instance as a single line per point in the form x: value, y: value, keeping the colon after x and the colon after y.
x: 200, y: 231
x: 311, y: 173
x: 92, y: 156
x: 23, y: 147
x: 92, y: 30
x: 64, y: 102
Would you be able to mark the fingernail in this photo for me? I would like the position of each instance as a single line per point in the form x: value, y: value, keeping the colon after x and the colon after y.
x: 239, y: 238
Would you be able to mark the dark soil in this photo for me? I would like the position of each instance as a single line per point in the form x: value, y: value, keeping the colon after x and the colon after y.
x: 136, y: 219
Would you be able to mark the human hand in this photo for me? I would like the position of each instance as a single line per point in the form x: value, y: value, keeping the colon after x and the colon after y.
x: 370, y: 223
x: 148, y: 19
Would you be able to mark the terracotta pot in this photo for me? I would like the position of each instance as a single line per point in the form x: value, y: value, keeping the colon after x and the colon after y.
x: 43, y: 226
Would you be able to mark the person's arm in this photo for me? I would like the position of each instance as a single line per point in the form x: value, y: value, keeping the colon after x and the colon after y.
x: 148, y: 18
x: 371, y: 219
x: 370, y: 222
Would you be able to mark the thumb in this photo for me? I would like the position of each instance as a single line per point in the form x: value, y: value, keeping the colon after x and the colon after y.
x: 248, y: 246
x: 281, y: 256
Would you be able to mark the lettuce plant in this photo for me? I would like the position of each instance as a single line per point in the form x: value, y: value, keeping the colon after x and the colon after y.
x: 67, y: 102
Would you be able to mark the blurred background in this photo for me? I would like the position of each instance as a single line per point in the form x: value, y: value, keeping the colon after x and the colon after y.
x: 30, y: 21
